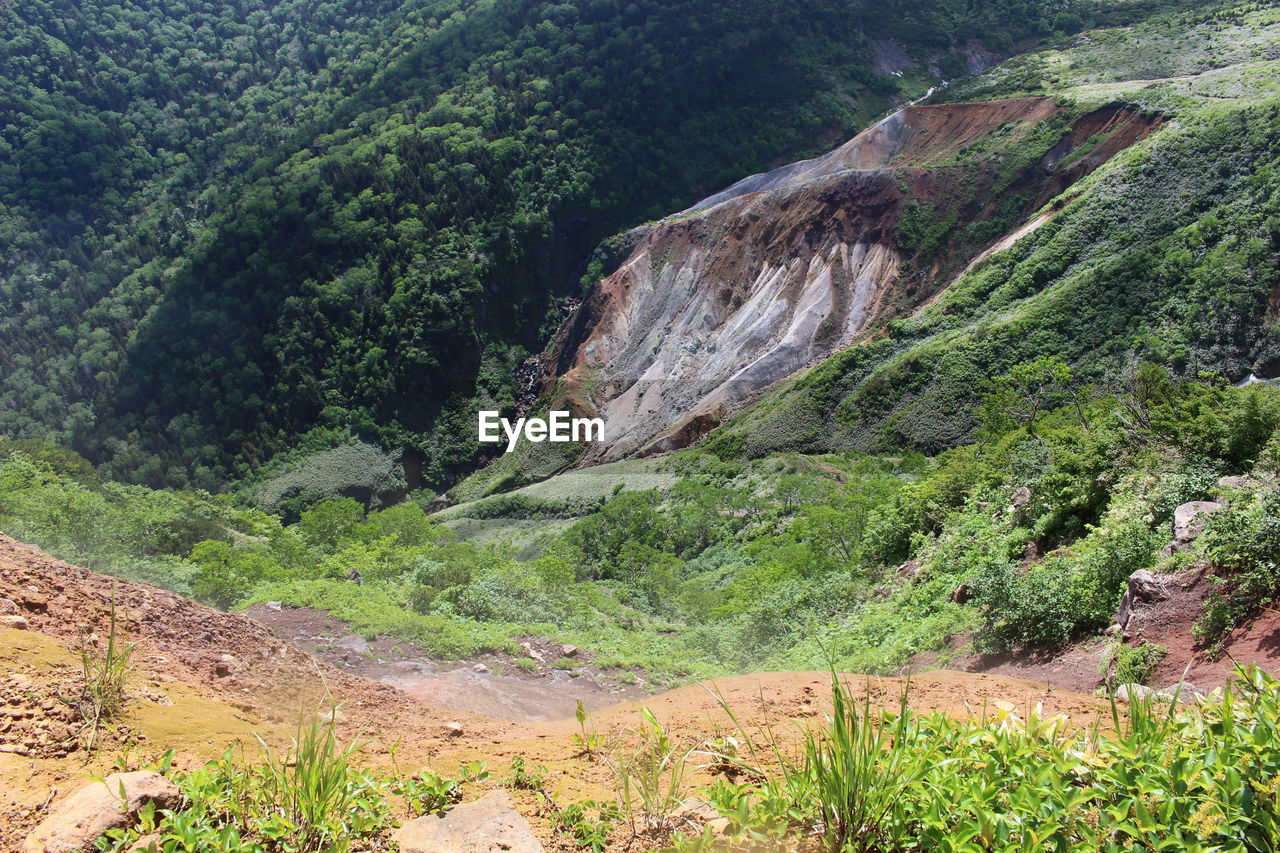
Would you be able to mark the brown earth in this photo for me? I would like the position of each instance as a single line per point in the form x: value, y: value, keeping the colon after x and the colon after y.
x: 782, y: 269
x: 186, y: 697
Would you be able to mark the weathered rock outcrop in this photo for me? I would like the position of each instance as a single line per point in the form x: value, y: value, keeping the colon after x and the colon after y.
x: 488, y: 825
x: 76, y: 822
x: 784, y: 268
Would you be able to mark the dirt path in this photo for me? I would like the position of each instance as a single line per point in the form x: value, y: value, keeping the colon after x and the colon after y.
x: 540, y: 683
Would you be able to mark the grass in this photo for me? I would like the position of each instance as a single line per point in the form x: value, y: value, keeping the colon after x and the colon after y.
x: 106, y: 674
x: 1154, y: 775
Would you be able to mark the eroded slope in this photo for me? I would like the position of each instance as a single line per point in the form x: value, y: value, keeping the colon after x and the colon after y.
x: 785, y: 268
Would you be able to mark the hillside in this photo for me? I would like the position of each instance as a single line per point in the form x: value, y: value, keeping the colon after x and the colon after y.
x: 205, y: 680
x: 937, y: 347
x: 258, y: 227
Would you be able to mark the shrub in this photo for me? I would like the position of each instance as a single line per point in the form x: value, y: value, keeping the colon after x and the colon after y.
x: 360, y: 471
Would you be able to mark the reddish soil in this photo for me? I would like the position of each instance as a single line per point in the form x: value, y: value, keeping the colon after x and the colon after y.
x: 1169, y: 622
x: 185, y: 696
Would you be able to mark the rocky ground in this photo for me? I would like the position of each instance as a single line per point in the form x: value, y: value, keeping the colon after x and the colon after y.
x: 537, y: 680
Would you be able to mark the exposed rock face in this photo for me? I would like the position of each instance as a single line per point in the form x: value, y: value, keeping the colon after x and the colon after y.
x: 783, y: 269
x: 1145, y: 588
x: 1189, y: 520
x: 491, y: 824
x: 76, y: 822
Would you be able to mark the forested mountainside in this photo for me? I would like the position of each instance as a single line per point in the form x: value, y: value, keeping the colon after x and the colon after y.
x: 1109, y: 201
x: 234, y: 229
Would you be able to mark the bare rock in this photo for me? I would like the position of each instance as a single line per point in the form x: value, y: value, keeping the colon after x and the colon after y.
x: 1021, y: 497
x: 569, y: 651
x: 480, y: 668
x: 454, y: 729
x: 1239, y: 481
x: 353, y: 643
x: 1134, y: 692
x: 77, y: 821
x: 1189, y: 520
x: 18, y: 623
x: 491, y: 824
x: 226, y: 666
x: 7, y: 607
x: 1145, y: 588
x: 274, y: 606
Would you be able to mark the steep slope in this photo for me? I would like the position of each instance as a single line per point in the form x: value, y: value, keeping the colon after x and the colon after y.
x: 231, y: 222
x: 783, y: 269
x: 1169, y: 255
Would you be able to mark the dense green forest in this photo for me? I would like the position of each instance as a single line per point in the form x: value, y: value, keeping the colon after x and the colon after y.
x: 237, y: 228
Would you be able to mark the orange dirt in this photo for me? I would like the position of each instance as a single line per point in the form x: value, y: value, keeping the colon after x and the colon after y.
x: 180, y: 701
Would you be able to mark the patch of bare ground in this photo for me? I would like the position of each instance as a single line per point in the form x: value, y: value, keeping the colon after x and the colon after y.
x: 185, y: 696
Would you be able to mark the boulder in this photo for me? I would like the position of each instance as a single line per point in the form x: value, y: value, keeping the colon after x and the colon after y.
x: 568, y: 651
x: 18, y: 623
x: 1132, y: 692
x: 454, y: 729
x: 7, y: 607
x: 77, y: 821
x: 1189, y: 520
x: 1239, y: 481
x: 491, y: 824
x: 1145, y: 588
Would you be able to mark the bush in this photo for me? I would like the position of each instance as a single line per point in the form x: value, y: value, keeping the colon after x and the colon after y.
x: 361, y: 471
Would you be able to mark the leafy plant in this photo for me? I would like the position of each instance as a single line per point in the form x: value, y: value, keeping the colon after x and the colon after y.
x: 650, y: 779
x: 588, y: 741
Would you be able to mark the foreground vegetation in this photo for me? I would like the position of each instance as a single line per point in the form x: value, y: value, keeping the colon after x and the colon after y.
x: 1149, y: 776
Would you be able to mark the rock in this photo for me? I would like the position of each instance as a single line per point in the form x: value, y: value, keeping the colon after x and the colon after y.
x: 491, y: 824
x: 226, y: 666
x: 697, y: 809
x: 7, y: 607
x: 569, y: 651
x: 480, y: 668
x: 909, y: 569
x: 77, y: 821
x: 17, y: 623
x: 1185, y: 693
x: 1130, y: 692
x: 274, y: 606
x: 353, y: 643
x: 1145, y: 588
x: 1021, y: 497
x: 454, y: 729
x: 1113, y: 631
x: 146, y: 844
x: 1239, y: 481
x: 1189, y: 521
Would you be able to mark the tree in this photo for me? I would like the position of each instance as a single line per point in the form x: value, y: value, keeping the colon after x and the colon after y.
x: 1028, y: 390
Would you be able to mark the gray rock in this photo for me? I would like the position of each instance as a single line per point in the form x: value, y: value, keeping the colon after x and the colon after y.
x: 353, y: 643
x: 1189, y: 520
x: 18, y: 623
x: 1145, y: 588
x: 1239, y: 481
x: 7, y: 607
x: 491, y: 824
x: 77, y: 821
x: 1131, y: 692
